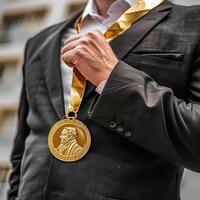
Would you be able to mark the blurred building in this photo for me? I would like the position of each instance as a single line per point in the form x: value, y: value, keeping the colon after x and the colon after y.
x: 19, y: 20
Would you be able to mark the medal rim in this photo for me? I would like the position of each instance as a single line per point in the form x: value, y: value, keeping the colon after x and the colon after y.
x: 76, y: 123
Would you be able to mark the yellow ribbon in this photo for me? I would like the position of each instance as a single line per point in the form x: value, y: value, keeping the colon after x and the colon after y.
x: 133, y: 14
x: 77, y: 92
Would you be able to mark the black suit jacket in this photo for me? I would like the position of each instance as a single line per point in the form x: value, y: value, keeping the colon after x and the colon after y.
x: 145, y: 126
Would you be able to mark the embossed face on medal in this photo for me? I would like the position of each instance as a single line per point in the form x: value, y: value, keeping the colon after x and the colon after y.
x: 69, y: 140
x: 69, y: 145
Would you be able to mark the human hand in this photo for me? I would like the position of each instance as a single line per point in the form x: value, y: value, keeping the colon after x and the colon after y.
x: 91, y: 54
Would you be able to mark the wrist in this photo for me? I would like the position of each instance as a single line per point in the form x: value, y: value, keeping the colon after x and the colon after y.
x: 108, y: 71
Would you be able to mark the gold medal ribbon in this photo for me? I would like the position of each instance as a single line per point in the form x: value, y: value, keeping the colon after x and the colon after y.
x: 134, y: 13
x: 77, y: 92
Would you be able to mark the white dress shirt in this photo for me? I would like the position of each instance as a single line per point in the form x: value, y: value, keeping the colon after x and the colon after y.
x: 91, y: 20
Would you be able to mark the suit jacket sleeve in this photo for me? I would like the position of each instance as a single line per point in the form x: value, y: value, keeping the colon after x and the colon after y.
x: 134, y: 105
x: 19, y: 142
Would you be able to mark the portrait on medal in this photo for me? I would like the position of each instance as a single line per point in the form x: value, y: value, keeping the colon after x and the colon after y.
x: 68, y: 142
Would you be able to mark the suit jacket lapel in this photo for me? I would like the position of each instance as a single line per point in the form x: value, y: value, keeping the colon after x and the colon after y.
x: 131, y: 37
x: 50, y: 57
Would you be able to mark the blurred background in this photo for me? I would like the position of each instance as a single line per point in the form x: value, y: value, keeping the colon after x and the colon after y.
x: 19, y: 20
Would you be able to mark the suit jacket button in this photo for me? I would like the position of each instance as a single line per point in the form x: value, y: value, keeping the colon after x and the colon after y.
x: 128, y: 134
x: 112, y: 124
x: 120, y: 129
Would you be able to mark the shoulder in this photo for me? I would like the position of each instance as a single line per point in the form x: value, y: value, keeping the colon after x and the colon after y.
x: 40, y: 37
x: 47, y: 31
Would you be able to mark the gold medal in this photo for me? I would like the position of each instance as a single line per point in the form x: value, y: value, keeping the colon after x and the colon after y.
x: 69, y: 140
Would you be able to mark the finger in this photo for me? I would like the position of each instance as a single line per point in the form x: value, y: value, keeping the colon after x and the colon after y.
x: 69, y: 46
x: 72, y: 38
x: 86, y: 41
x: 98, y: 40
x: 70, y: 57
x: 92, y: 40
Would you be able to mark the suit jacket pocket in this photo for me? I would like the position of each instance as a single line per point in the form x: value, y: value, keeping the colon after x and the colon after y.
x: 173, y: 56
x: 157, y: 61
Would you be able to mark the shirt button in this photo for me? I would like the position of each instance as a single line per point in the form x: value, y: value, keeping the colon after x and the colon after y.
x: 128, y: 134
x: 112, y: 124
x: 120, y: 129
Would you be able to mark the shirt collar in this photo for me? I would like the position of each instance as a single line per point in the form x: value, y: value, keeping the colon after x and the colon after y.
x: 91, y: 8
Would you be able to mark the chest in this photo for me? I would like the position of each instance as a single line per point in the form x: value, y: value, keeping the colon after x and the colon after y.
x: 167, y: 56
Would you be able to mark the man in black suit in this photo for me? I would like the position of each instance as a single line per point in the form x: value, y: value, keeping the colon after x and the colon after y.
x: 144, y: 121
